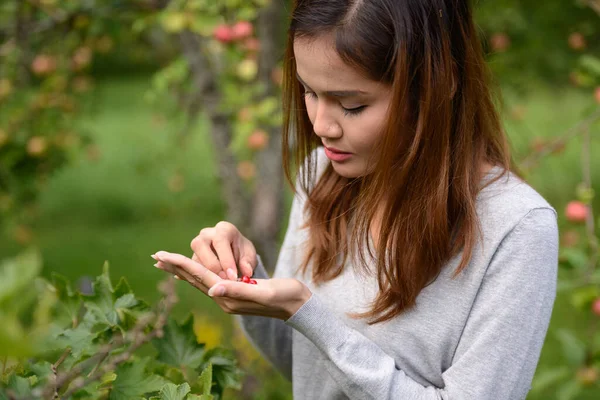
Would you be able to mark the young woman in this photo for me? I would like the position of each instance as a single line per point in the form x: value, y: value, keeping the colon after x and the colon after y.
x: 416, y: 264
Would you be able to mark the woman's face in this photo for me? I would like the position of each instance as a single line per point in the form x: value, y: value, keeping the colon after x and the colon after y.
x: 347, y: 110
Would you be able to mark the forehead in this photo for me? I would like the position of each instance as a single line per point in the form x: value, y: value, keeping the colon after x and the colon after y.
x: 319, y: 65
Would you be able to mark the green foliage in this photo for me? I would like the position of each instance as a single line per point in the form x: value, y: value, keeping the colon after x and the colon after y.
x: 88, y: 343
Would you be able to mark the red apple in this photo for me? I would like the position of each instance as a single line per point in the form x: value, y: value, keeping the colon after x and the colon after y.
x: 500, y: 42
x: 82, y: 58
x: 43, y: 64
x: 577, y: 41
x: 36, y: 146
x: 258, y: 140
x: 570, y: 238
x: 576, y: 211
x: 242, y: 30
x: 587, y: 375
x: 252, y: 44
x: 246, y: 170
x: 223, y: 33
x: 596, y: 307
x: 245, y: 115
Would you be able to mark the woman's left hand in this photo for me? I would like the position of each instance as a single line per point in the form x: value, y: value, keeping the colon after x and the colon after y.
x: 275, y: 298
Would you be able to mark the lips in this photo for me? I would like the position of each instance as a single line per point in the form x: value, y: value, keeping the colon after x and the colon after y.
x: 336, y: 155
x: 336, y: 151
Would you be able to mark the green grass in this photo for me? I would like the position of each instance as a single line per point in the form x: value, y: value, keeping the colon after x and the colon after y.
x: 120, y: 209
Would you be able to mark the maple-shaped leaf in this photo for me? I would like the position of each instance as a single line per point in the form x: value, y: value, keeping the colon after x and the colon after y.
x: 69, y: 299
x: 134, y: 382
x: 205, y: 380
x: 225, y: 372
x: 111, y: 307
x: 173, y: 392
x: 178, y: 346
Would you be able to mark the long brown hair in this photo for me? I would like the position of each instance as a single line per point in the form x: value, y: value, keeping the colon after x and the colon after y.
x: 441, y: 128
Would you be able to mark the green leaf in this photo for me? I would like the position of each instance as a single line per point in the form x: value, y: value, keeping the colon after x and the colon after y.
x: 201, y: 397
x: 569, y: 391
x: 205, y: 24
x: 19, y: 385
x: 13, y: 339
x: 549, y: 377
x: 583, y: 297
x: 178, y: 346
x: 590, y: 63
x: 576, y: 258
x: 173, y: 392
x: 111, y: 307
x: 205, y: 380
x: 16, y: 274
x: 70, y: 300
x: 133, y: 381
x: 79, y: 339
x: 573, y: 347
x: 225, y: 372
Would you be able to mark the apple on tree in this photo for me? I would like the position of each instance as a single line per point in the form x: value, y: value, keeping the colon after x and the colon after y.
x: 258, y: 140
x: 242, y: 30
x: 223, y: 33
x: 576, y: 211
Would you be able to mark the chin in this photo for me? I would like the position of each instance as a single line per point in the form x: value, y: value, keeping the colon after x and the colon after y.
x: 346, y: 171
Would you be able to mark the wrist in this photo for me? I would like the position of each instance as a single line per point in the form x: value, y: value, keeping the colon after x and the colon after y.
x: 303, y: 296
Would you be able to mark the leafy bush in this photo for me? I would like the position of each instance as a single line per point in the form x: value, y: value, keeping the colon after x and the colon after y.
x: 104, y: 343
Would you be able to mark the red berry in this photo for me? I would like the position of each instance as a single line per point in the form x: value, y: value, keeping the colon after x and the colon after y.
x: 246, y: 279
x: 253, y: 282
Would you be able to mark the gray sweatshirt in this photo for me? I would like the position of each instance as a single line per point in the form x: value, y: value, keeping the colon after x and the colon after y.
x: 478, y: 336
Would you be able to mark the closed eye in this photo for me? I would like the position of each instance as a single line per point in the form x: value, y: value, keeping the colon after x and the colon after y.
x: 347, y: 111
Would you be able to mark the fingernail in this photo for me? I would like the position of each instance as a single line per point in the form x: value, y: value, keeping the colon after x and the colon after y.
x: 176, y: 277
x: 232, y: 275
x: 216, y: 291
x: 156, y: 265
x: 154, y: 256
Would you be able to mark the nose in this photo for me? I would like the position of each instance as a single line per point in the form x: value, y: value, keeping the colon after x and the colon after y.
x: 324, y: 124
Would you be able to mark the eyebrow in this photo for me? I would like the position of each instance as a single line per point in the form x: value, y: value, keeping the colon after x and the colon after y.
x: 336, y: 93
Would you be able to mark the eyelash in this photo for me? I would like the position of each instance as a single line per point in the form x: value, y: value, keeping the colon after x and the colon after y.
x: 349, y: 112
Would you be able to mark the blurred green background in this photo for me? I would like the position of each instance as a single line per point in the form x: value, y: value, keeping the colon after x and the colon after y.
x: 134, y: 190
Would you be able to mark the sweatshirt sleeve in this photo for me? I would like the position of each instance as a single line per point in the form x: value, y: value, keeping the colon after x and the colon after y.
x: 501, y: 343
x: 270, y: 336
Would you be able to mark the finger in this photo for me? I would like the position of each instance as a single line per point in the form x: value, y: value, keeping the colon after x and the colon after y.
x: 239, y: 291
x: 182, y: 275
x: 223, y: 247
x: 220, y: 272
x: 205, y: 256
x: 248, y: 260
x: 196, y: 270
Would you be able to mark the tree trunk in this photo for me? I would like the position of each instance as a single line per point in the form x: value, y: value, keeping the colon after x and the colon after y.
x: 206, y: 96
x: 267, y: 206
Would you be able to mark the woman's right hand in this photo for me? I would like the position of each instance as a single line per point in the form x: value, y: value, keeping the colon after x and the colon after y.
x: 225, y: 251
